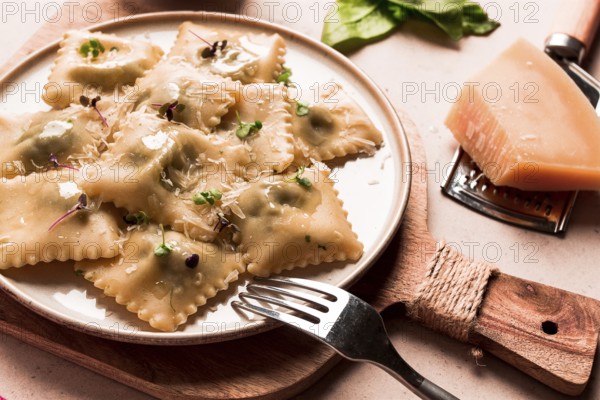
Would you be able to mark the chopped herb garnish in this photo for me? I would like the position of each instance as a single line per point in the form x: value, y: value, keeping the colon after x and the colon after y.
x: 246, y: 129
x: 93, y: 103
x: 207, y: 197
x: 79, y: 272
x: 307, y: 238
x: 81, y: 205
x: 211, y: 50
x: 163, y: 249
x: 138, y: 218
x: 93, y: 47
x: 167, y: 110
x: 55, y: 164
x: 302, y: 108
x: 304, y: 182
x: 284, y: 77
x: 192, y: 261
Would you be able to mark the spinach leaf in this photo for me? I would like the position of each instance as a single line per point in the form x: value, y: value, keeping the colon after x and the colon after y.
x: 359, y: 22
x: 356, y: 23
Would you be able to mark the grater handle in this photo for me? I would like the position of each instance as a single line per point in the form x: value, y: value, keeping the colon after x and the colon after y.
x: 579, y: 20
x: 548, y: 333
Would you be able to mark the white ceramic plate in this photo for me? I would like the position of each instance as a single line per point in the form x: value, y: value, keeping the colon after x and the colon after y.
x: 372, y: 188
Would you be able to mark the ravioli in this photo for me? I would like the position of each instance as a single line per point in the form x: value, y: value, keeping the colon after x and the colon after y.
x: 272, y: 146
x: 74, y: 135
x: 164, y: 290
x: 287, y: 224
x: 28, y: 208
x: 78, y: 71
x: 205, y: 97
x: 246, y: 57
x: 335, y: 126
x: 157, y: 166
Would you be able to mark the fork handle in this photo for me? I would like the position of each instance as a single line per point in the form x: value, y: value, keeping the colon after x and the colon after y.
x: 395, y: 365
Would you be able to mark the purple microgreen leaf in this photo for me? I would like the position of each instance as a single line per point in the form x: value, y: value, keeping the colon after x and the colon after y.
x: 192, y: 261
x: 199, y: 37
x: 84, y: 100
x: 55, y: 164
x: 81, y: 205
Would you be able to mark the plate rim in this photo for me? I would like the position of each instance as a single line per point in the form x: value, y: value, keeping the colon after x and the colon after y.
x: 254, y: 327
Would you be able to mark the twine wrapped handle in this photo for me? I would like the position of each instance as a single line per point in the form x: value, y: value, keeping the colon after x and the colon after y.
x: 451, y: 293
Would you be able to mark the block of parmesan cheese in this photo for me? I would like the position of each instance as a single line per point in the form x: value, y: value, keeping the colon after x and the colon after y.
x: 527, y: 125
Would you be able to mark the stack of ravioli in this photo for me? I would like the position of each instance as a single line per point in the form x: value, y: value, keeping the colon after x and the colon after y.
x: 177, y: 173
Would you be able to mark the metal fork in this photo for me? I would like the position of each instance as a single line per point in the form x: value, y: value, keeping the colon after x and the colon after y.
x: 341, y: 320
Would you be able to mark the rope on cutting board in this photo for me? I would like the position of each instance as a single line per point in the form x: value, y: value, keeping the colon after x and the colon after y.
x: 451, y: 293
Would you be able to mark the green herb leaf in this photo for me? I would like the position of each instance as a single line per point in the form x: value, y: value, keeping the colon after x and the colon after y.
x: 93, y: 47
x: 359, y: 22
x: 307, y: 238
x: 304, y: 182
x: 209, y: 197
x: 246, y: 129
x: 284, y: 76
x: 302, y: 108
x: 138, y: 218
x: 163, y: 249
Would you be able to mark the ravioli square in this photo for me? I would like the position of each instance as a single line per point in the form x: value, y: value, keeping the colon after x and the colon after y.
x: 30, y: 205
x: 157, y: 166
x: 72, y: 136
x: 294, y: 221
x: 163, y: 290
x: 331, y: 126
x: 246, y: 57
x: 92, y: 63
x: 271, y: 146
x: 203, y: 98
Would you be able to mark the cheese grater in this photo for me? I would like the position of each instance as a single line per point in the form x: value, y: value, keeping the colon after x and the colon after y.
x: 543, y: 211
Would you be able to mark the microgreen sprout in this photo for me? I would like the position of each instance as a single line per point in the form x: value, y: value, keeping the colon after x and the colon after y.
x: 163, y: 249
x: 138, y: 218
x: 302, y: 108
x: 224, y: 223
x: 209, y: 197
x: 93, y: 103
x: 53, y: 159
x: 284, y: 77
x: 93, y: 47
x: 246, y: 128
x: 192, y: 261
x: 167, y: 110
x: 304, y: 182
x: 211, y: 50
x: 81, y: 205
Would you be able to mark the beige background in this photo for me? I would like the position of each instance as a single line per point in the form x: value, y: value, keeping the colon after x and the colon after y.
x: 416, y: 56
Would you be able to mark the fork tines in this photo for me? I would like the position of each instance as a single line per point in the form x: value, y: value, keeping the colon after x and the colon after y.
x: 268, y: 292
